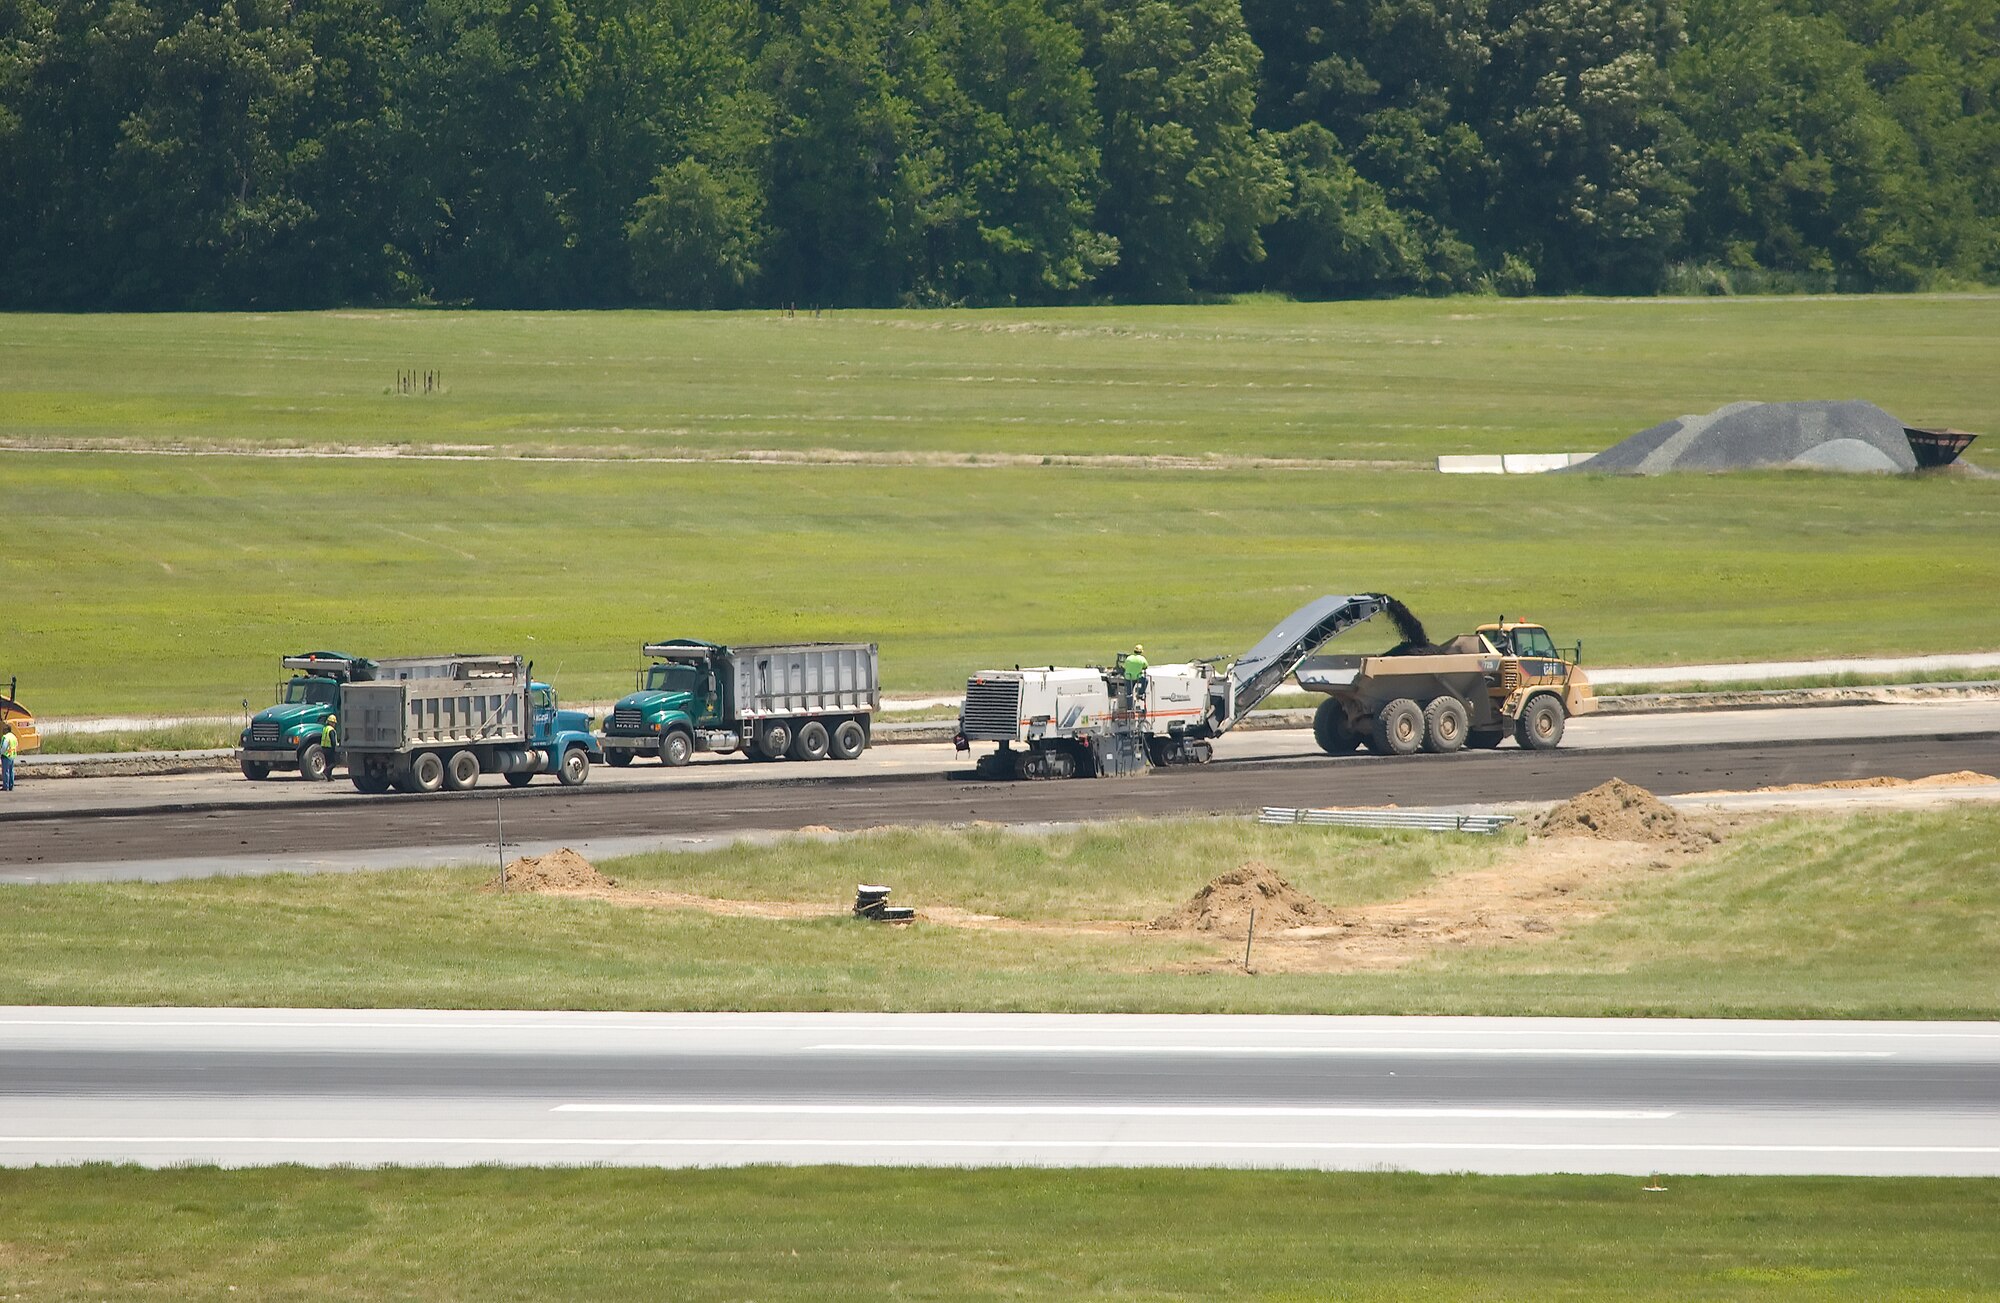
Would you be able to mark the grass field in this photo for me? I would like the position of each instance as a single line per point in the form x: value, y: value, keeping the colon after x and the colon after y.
x: 288, y: 1233
x: 1879, y: 916
x: 1399, y: 381
x: 172, y: 586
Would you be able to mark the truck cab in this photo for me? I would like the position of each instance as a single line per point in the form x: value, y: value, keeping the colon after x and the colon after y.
x: 293, y: 733
x: 676, y: 701
x: 557, y: 729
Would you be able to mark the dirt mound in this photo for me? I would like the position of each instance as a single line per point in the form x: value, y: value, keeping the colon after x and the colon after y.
x: 1616, y: 811
x: 562, y: 870
x: 1224, y: 905
x: 1957, y: 778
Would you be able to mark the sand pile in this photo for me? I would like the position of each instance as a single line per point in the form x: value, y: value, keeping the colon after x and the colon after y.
x: 1616, y: 811
x: 1827, y: 436
x: 562, y: 870
x: 1957, y: 778
x: 1224, y: 905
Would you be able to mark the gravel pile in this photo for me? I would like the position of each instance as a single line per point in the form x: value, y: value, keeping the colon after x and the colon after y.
x: 1826, y: 436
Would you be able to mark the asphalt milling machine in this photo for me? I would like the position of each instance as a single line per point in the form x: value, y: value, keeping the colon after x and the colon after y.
x: 1507, y: 678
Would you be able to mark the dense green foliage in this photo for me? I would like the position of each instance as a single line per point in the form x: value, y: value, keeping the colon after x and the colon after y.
x: 273, y: 153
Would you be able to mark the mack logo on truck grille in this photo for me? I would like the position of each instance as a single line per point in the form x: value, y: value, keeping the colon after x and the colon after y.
x: 993, y: 709
x: 627, y: 721
x: 267, y: 735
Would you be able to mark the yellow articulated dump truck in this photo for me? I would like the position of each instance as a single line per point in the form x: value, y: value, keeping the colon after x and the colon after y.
x: 1504, y: 679
x: 15, y: 719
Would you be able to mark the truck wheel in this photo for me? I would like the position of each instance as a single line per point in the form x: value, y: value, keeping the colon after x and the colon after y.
x: 1399, y: 728
x: 617, y: 757
x: 1445, y: 721
x: 1330, y: 729
x: 255, y: 770
x: 426, y: 772
x: 849, y: 740
x: 369, y: 778
x: 811, y: 742
x: 1485, y: 739
x: 461, y: 773
x: 773, y: 740
x: 315, y: 766
x: 575, y: 767
x: 676, y: 749
x: 519, y: 778
x: 1540, y: 727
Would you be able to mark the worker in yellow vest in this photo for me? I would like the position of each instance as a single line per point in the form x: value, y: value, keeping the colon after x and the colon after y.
x: 10, y: 746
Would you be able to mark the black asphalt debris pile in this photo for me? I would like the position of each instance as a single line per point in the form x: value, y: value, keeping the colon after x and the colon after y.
x: 1826, y: 436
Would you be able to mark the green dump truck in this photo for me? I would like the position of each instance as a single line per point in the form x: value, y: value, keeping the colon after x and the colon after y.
x: 804, y: 701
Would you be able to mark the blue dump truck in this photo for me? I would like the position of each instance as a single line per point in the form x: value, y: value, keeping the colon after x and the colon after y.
x: 437, y: 723
x: 297, y: 732
x: 804, y: 701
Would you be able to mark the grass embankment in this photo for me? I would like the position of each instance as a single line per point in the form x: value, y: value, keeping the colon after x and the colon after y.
x: 1402, y: 381
x: 845, y: 1233
x: 173, y: 586
x: 1867, y: 916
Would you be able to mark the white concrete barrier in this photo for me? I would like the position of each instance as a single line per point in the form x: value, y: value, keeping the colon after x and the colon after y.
x: 1513, y: 463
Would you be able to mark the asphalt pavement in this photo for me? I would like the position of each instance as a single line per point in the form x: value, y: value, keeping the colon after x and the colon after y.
x: 246, y: 1086
x: 324, y: 830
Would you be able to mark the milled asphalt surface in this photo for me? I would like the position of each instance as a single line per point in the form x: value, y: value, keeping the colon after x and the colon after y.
x: 241, y: 1086
x: 242, y: 828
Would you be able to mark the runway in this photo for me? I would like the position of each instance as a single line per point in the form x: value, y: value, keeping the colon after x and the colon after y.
x: 244, y: 1087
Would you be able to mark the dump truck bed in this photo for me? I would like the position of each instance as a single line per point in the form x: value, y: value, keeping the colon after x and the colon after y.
x: 446, y: 701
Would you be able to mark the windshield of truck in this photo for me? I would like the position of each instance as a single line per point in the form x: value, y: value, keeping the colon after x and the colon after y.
x: 317, y: 691
x: 675, y: 678
x: 544, y: 698
x: 1533, y: 642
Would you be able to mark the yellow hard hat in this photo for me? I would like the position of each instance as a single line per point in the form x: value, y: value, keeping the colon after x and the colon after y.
x: 1138, y: 647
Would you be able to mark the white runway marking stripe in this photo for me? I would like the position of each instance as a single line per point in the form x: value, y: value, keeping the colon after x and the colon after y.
x: 1113, y: 1111
x: 1444, y: 1051
x: 896, y: 1142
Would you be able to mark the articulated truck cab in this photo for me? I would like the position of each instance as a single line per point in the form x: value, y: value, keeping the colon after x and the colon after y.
x: 804, y: 701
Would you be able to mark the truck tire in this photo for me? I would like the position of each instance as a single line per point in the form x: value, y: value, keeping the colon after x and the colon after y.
x: 1445, y: 721
x: 1485, y: 739
x: 773, y: 740
x: 1330, y: 729
x: 617, y: 757
x: 1399, y: 728
x: 372, y: 779
x: 811, y: 742
x: 461, y: 772
x: 676, y: 749
x: 575, y: 767
x: 849, y: 740
x: 519, y: 778
x: 255, y: 770
x: 315, y: 765
x: 1540, y: 727
x: 426, y: 772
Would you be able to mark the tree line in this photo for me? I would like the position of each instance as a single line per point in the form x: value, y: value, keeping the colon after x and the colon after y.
x: 713, y: 153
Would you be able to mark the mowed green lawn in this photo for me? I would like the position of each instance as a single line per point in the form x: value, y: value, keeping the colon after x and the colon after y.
x: 1401, y: 381
x: 1877, y: 916
x: 170, y: 585
x: 824, y: 1233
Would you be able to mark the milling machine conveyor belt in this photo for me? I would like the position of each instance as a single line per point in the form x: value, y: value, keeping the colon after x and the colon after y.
x: 1260, y: 671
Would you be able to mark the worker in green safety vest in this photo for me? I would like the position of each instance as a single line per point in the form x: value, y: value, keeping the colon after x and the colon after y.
x: 10, y: 746
x: 1134, y: 664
